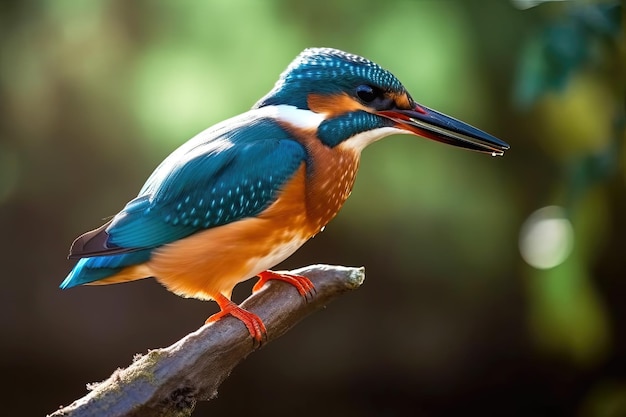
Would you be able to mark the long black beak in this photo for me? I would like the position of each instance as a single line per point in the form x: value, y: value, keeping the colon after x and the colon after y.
x: 431, y: 124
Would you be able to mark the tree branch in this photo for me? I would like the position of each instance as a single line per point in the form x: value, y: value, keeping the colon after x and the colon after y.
x: 169, y: 381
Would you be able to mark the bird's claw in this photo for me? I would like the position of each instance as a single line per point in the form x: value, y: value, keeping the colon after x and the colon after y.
x: 253, y: 323
x: 304, y: 285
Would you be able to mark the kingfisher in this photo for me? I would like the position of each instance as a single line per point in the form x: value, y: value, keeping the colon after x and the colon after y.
x: 243, y: 195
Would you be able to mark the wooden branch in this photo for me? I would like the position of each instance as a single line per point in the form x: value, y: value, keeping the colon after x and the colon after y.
x: 169, y: 381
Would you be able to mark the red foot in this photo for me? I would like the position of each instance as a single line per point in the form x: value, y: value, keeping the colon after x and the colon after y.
x: 304, y: 285
x: 252, y: 321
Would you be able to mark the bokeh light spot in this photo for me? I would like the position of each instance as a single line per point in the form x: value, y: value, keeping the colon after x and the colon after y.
x: 546, y: 238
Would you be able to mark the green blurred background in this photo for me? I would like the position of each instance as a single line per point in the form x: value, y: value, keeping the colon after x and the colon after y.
x: 451, y: 320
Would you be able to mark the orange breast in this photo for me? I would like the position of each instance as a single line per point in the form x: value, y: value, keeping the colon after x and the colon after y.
x: 331, y: 173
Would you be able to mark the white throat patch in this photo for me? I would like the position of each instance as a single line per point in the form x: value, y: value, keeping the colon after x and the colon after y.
x: 359, y: 141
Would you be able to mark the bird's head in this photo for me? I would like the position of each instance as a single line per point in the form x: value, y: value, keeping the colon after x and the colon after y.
x: 362, y: 102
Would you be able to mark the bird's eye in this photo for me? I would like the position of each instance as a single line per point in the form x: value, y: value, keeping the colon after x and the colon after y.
x: 367, y: 93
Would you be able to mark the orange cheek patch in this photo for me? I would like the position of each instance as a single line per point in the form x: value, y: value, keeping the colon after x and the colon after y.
x: 338, y: 104
x: 401, y: 100
x: 334, y: 105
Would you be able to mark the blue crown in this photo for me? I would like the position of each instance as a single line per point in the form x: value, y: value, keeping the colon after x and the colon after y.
x: 326, y: 71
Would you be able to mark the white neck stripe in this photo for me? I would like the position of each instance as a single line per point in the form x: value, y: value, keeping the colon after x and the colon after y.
x: 305, y: 119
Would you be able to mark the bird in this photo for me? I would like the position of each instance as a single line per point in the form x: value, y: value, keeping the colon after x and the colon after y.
x: 243, y: 195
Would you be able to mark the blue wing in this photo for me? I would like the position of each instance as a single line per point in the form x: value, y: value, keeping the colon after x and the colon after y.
x: 231, y: 171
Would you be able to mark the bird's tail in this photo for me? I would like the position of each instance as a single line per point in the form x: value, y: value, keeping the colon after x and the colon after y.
x: 110, y: 269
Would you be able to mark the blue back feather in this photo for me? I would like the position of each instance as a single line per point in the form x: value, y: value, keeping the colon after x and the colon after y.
x: 224, y: 174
